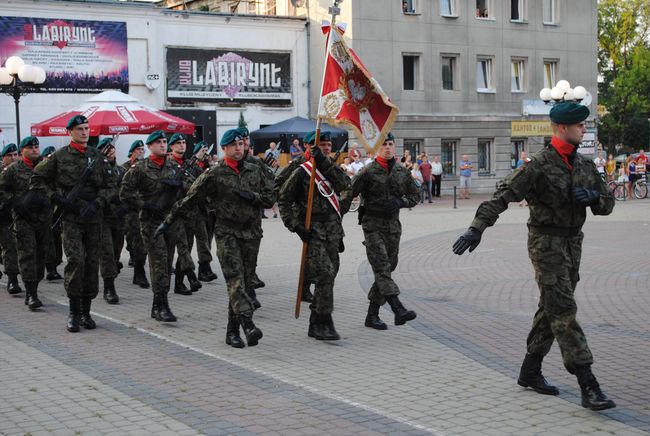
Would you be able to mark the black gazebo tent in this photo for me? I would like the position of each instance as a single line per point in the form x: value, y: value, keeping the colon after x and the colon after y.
x: 286, y: 131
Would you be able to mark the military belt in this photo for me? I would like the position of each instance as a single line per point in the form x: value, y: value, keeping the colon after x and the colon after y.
x: 321, y: 217
x: 382, y: 214
x: 554, y: 230
x: 239, y: 225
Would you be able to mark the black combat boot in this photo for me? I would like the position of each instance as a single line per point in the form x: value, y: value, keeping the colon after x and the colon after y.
x: 257, y: 282
x: 139, y: 276
x: 179, y: 286
x: 31, y: 295
x: 531, y: 376
x: 253, y: 334
x: 592, y: 397
x: 12, y: 284
x: 155, y: 306
x: 373, y: 320
x: 74, y: 319
x: 313, y: 320
x: 52, y: 273
x: 253, y: 296
x: 205, y: 272
x: 307, y: 296
x: 195, y: 284
x: 232, y: 331
x: 109, y: 291
x: 401, y: 314
x: 325, y: 330
x: 86, y: 320
x: 165, y: 313
x: 130, y: 263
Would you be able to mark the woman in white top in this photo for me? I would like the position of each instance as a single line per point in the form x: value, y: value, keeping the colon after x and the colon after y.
x: 419, y: 180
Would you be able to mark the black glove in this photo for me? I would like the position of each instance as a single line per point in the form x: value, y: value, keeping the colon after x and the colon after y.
x: 304, y: 234
x: 122, y: 210
x: 89, y: 211
x: 161, y: 229
x: 318, y: 155
x: 173, y: 183
x: 393, y: 205
x: 246, y: 195
x: 64, y: 203
x: 21, y: 207
x: 115, y: 199
x: 585, y: 196
x: 153, y: 209
x: 470, y: 239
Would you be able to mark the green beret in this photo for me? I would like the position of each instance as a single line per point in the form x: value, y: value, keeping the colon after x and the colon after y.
x: 176, y: 137
x: 310, y: 138
x: 27, y: 141
x: 106, y: 142
x: 158, y: 134
x: 199, y: 145
x: 135, y: 145
x: 230, y: 136
x: 243, y: 131
x: 75, y: 121
x: 389, y: 137
x: 569, y: 112
x: 48, y: 151
x: 9, y: 148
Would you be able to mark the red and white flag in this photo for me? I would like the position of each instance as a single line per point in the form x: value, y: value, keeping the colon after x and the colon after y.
x: 350, y: 95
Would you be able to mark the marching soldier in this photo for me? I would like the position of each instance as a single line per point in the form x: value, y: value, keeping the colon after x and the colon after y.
x: 150, y: 187
x: 54, y: 256
x: 7, y: 241
x: 240, y: 189
x: 30, y: 225
x: 325, y: 238
x: 112, y: 227
x: 76, y: 179
x: 134, y: 244
x: 559, y: 185
x: 385, y: 187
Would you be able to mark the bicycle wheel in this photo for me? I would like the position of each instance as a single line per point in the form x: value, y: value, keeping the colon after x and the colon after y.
x: 640, y: 190
x: 356, y: 202
x: 612, y: 186
x: 620, y: 192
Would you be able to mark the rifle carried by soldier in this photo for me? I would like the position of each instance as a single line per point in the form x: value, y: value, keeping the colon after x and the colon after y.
x: 343, y: 149
x: 171, y: 195
x: 74, y: 194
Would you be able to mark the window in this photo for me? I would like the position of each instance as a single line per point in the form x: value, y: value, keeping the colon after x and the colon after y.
x: 270, y: 7
x: 413, y: 146
x: 408, y: 6
x: 484, y: 156
x: 484, y: 75
x: 517, y: 147
x: 448, y: 157
x: 518, y: 75
x: 448, y: 8
x: 550, y: 73
x: 411, y: 64
x: 518, y: 10
x: 449, y: 71
x: 550, y: 12
x: 484, y: 9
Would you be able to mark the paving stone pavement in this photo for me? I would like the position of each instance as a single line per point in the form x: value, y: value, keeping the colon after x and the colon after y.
x: 451, y: 371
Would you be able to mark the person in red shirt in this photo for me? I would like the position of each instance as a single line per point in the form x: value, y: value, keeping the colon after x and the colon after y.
x: 425, y: 169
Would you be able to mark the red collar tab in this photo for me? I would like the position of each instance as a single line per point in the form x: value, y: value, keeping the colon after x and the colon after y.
x: 232, y: 164
x: 564, y: 149
x: 158, y: 160
x: 81, y: 148
x: 28, y: 162
x: 307, y: 155
x: 383, y: 162
x: 178, y: 160
x: 201, y: 164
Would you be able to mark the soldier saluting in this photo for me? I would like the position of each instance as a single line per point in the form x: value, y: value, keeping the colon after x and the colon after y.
x: 559, y: 185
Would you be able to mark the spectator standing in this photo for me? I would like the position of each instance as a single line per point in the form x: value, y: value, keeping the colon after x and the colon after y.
x: 274, y: 151
x: 610, y: 168
x: 425, y: 169
x: 419, y: 181
x: 436, y: 175
x: 465, y: 177
x: 354, y: 152
x: 641, y: 164
x: 631, y: 174
x: 600, y: 163
x: 295, y: 150
x: 370, y: 157
x: 356, y: 165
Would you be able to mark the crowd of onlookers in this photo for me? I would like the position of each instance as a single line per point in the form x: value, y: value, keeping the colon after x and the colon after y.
x: 628, y: 171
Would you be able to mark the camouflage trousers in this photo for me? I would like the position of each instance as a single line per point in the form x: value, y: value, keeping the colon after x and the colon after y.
x: 236, y: 259
x: 32, y: 242
x: 81, y: 244
x: 9, y: 254
x: 556, y: 261
x: 177, y: 239
x: 134, y: 243
x: 54, y: 254
x: 156, y: 249
x: 382, y: 249
x: 111, y: 251
x: 202, y: 239
x: 321, y: 270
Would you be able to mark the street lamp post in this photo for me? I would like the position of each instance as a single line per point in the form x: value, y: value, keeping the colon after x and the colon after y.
x: 17, y: 79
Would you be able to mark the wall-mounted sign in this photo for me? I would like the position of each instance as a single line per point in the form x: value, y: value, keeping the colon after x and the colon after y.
x: 152, y: 80
x: 228, y: 76
x: 524, y: 129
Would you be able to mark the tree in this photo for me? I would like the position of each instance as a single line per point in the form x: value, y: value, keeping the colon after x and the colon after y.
x: 242, y: 121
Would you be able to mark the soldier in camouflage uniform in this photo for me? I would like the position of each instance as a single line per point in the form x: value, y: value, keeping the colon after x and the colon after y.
x: 54, y: 254
x: 134, y: 244
x: 150, y: 188
x: 31, y: 218
x: 7, y: 241
x: 81, y: 216
x: 112, y: 227
x: 386, y: 187
x: 558, y: 184
x: 325, y: 238
x: 239, y: 190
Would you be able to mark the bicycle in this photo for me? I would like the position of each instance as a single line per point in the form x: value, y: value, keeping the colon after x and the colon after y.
x: 618, y: 189
x: 356, y: 202
x: 640, y: 188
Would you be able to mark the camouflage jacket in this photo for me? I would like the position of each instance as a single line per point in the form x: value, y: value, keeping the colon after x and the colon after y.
x: 14, y: 184
x: 286, y: 172
x: 376, y: 186
x: 110, y: 210
x: 62, y: 171
x: 293, y: 200
x: 143, y: 183
x: 234, y: 215
x: 547, y: 184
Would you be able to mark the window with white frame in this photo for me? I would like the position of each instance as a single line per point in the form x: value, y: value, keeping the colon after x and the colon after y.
x: 449, y: 70
x: 408, y: 6
x: 484, y: 155
x: 550, y: 12
x: 518, y: 10
x: 448, y: 8
x: 413, y: 146
x: 518, y: 75
x: 485, y: 74
x: 448, y: 148
x: 550, y: 73
x: 271, y: 7
x: 518, y: 145
x: 411, y: 65
x: 484, y: 9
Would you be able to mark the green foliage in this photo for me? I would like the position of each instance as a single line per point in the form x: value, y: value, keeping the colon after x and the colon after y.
x: 242, y: 121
